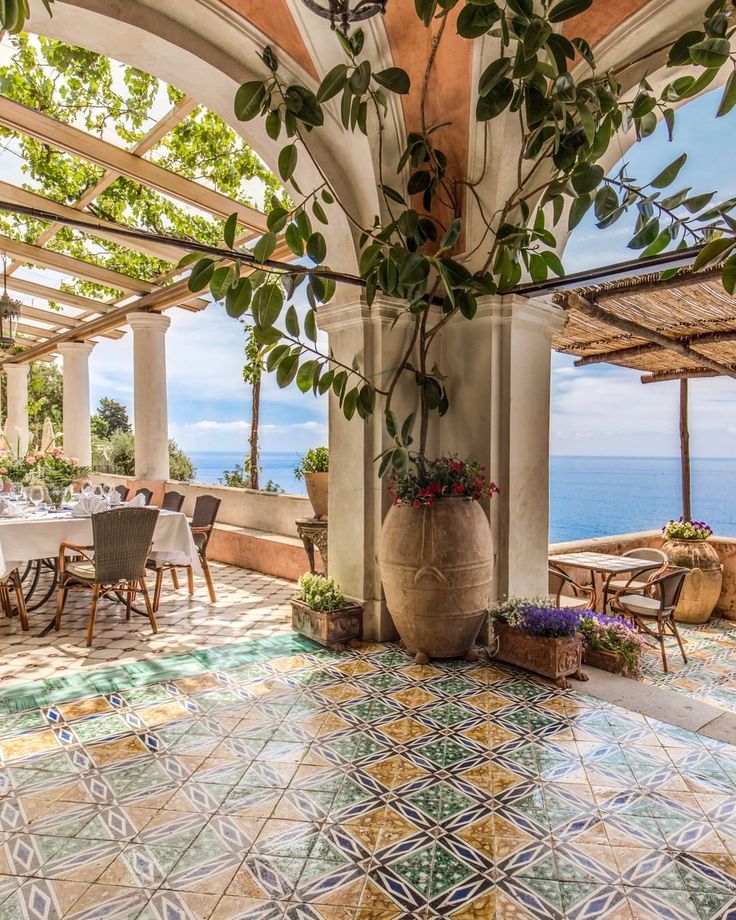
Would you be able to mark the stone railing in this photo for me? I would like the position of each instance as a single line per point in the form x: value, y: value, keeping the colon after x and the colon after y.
x: 724, y: 546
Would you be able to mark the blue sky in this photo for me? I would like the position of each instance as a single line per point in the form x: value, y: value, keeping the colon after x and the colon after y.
x: 596, y: 411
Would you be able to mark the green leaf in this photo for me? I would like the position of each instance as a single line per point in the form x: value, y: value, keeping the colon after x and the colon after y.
x: 553, y: 262
x: 670, y: 173
x: 286, y: 370
x: 578, y: 210
x: 367, y: 398
x: 267, y: 304
x: 305, y: 376
x: 698, y: 202
x: 275, y: 355
x: 201, y: 274
x: 220, y: 281
x: 646, y: 235
x: 294, y: 240
x: 287, y: 161
x: 310, y: 325
x: 332, y: 82
x: 394, y: 78
x: 391, y: 425
x: 350, y: 403
x: 566, y: 9
x: 273, y: 124
x: 606, y: 202
x: 680, y: 51
x: 414, y: 270
x: 230, y: 229
x: 317, y: 248
x: 712, y: 252
x: 237, y: 298
x: 713, y: 52
x: 477, y: 19
x: 188, y: 258
x: 492, y: 74
x: 249, y: 100
x: 728, y: 100
x: 264, y: 247
x: 291, y: 321
x: 360, y: 78
x: 495, y: 101
x: 452, y: 235
x: 586, y: 177
x: 276, y: 219
x: 729, y: 275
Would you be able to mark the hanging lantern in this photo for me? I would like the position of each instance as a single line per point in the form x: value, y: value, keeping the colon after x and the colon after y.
x: 342, y: 13
x: 9, y: 312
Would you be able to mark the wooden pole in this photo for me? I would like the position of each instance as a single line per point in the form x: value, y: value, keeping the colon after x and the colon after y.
x: 685, y: 451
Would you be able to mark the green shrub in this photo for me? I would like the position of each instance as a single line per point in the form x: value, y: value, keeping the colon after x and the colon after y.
x: 116, y: 455
x: 316, y: 460
x: 320, y: 592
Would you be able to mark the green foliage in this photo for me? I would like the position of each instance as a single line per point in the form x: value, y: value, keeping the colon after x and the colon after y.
x: 111, y: 416
x: 319, y: 592
x: 315, y: 460
x: 240, y: 478
x: 45, y: 399
x: 181, y: 467
x: 116, y: 455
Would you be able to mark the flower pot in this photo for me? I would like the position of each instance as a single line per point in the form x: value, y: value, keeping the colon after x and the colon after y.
x: 330, y: 628
x: 606, y: 660
x: 317, y: 491
x: 702, y: 586
x: 436, y: 567
x: 555, y: 658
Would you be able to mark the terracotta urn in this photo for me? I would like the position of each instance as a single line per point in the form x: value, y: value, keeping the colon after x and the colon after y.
x: 436, y: 567
x: 702, y: 586
x: 317, y: 491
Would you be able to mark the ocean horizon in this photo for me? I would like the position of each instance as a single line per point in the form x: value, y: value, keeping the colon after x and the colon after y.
x: 589, y: 496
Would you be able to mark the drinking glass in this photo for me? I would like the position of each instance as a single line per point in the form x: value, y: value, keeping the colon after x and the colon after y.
x: 17, y: 491
x: 36, y: 495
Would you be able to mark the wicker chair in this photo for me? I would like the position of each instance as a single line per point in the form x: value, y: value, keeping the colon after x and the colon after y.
x: 12, y: 580
x: 122, y: 491
x: 114, y: 564
x: 203, y: 521
x: 146, y: 493
x: 656, y: 607
x: 173, y: 501
x: 638, y: 578
x: 581, y: 596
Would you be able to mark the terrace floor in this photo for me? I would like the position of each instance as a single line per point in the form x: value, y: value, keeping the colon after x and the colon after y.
x: 268, y: 778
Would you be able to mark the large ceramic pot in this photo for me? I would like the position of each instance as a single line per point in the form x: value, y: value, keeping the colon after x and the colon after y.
x: 436, y: 567
x: 317, y: 491
x: 702, y: 586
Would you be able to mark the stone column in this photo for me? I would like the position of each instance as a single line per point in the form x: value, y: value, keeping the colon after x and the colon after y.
x: 499, y: 370
x: 16, y: 382
x: 151, y: 423
x: 77, y: 434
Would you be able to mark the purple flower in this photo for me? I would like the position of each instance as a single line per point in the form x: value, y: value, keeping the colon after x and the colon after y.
x: 553, y: 622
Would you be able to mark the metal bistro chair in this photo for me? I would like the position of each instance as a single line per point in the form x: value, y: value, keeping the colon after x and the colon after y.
x: 637, y: 578
x: 12, y: 580
x: 146, y: 493
x: 114, y: 564
x: 203, y: 521
x: 122, y: 491
x: 173, y: 501
x: 581, y: 597
x: 652, y: 612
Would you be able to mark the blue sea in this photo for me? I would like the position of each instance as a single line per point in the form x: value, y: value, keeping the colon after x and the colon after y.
x: 589, y: 496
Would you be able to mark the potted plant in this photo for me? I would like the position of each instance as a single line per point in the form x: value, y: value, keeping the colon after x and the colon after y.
x: 58, y: 472
x: 686, y: 546
x: 320, y: 611
x: 536, y: 636
x: 313, y: 469
x: 436, y: 556
x: 611, y: 644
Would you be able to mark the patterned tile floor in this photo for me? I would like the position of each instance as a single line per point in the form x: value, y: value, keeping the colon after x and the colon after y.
x: 710, y: 674
x: 284, y: 781
x: 250, y: 605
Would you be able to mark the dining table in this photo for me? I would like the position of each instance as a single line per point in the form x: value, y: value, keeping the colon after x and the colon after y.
x: 30, y: 540
x: 603, y: 564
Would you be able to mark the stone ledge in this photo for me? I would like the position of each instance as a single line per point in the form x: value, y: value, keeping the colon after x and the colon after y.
x: 260, y: 551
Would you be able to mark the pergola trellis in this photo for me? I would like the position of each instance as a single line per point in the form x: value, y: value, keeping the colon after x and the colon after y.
x: 676, y: 328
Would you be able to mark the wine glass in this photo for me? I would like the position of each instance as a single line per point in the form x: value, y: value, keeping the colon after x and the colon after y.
x: 36, y: 495
x: 17, y: 491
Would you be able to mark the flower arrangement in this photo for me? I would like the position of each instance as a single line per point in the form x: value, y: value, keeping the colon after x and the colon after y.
x: 613, y: 634
x: 687, y: 530
x: 56, y: 469
x: 319, y: 592
x: 424, y: 483
x: 511, y: 610
x: 538, y: 616
x: 316, y: 460
x: 17, y: 468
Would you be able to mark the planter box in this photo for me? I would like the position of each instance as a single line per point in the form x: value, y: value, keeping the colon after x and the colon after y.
x: 332, y: 629
x: 555, y: 658
x: 607, y: 661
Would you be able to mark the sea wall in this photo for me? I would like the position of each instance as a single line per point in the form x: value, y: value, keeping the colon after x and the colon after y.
x: 724, y: 546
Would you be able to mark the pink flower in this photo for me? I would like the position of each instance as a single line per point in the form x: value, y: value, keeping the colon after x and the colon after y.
x: 3, y: 470
x: 74, y: 461
x: 30, y: 459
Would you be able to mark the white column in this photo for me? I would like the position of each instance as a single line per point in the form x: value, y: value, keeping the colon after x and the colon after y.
x: 16, y: 381
x: 151, y: 424
x: 77, y: 434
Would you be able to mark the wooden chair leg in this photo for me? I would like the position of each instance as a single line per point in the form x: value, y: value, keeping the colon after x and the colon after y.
x: 157, y: 588
x: 93, y: 613
x: 20, y: 601
x: 676, y: 634
x: 208, y: 579
x: 190, y: 579
x: 60, y: 602
x: 174, y: 579
x: 149, y: 608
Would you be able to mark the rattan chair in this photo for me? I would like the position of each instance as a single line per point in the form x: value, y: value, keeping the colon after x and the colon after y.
x: 12, y: 580
x: 581, y: 597
x: 656, y: 607
x: 146, y: 493
x: 203, y: 521
x: 122, y: 491
x: 638, y: 578
x: 114, y: 564
x: 173, y: 501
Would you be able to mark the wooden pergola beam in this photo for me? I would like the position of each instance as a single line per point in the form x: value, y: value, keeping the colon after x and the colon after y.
x: 33, y: 289
x: 59, y: 321
x: 77, y: 268
x: 28, y: 121
x: 694, y: 373
x: 636, y: 351
x: 595, y: 311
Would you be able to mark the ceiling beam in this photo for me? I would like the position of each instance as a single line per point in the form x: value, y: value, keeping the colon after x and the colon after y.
x: 68, y: 265
x: 58, y: 320
x: 636, y: 351
x: 693, y: 374
x: 28, y: 121
x: 33, y: 289
x: 589, y: 308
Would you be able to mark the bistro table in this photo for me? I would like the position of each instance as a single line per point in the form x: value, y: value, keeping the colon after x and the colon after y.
x: 603, y: 564
x: 30, y: 542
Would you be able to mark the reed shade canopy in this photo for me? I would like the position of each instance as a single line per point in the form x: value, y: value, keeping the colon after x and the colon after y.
x: 342, y: 13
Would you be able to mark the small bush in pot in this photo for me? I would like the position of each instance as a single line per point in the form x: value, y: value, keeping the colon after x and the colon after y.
x: 321, y: 612
x: 611, y: 644
x: 687, y: 546
x: 687, y: 530
x: 313, y: 468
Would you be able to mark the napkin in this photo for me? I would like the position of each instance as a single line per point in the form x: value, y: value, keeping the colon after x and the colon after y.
x: 89, y: 504
x: 138, y: 502
x: 8, y: 510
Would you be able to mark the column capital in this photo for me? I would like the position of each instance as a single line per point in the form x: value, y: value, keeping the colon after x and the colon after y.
x: 334, y: 317
x: 157, y: 322
x: 18, y: 370
x: 76, y: 349
x: 505, y: 309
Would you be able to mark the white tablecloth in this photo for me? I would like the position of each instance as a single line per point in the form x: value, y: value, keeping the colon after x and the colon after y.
x: 38, y: 537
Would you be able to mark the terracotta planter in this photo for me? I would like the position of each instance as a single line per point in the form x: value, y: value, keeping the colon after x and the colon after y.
x: 317, y: 491
x: 555, y: 658
x: 436, y: 566
x: 606, y: 660
x: 702, y: 586
x: 333, y: 629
